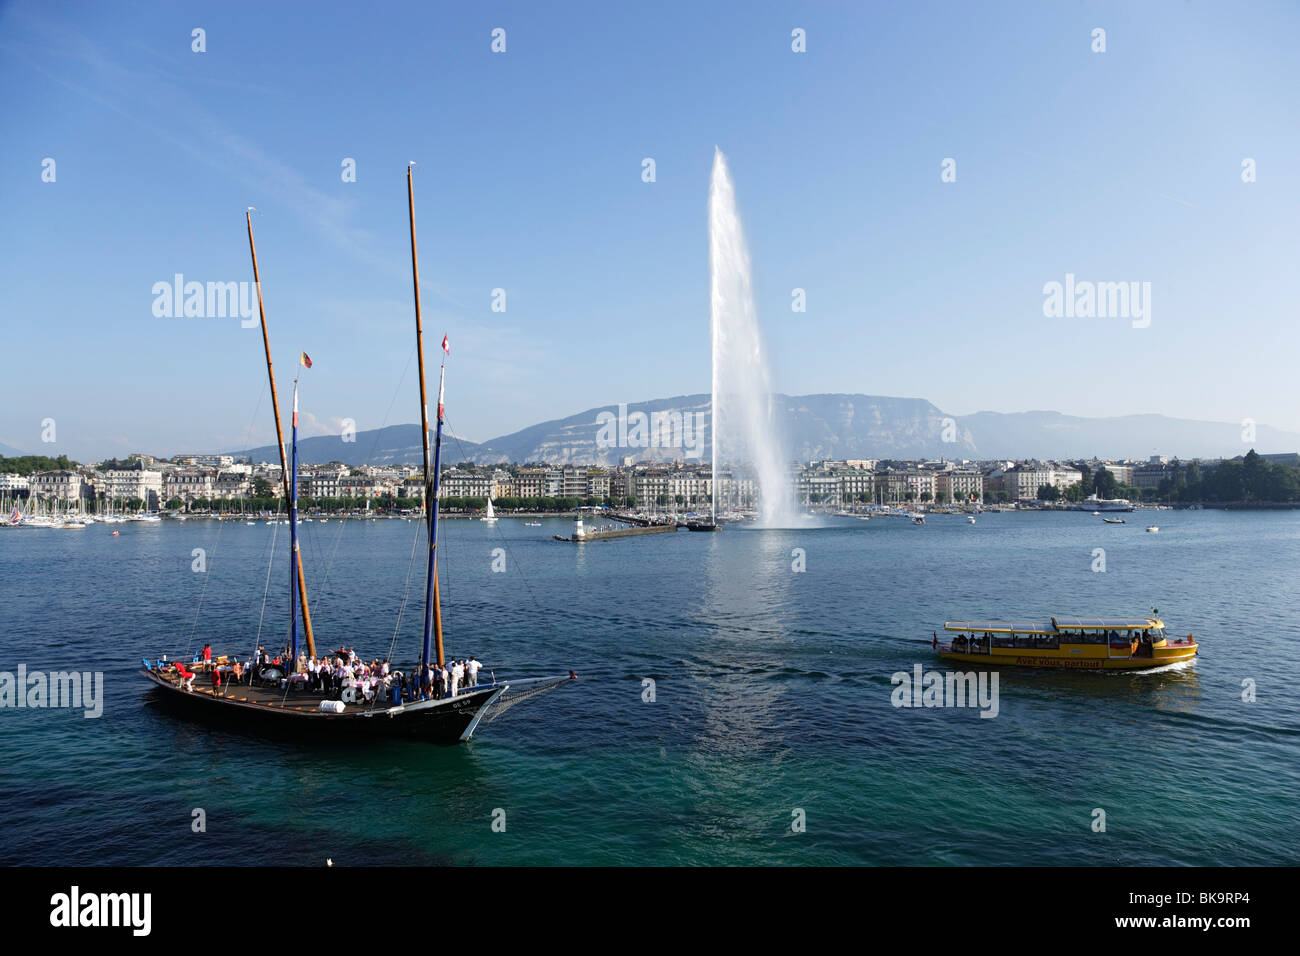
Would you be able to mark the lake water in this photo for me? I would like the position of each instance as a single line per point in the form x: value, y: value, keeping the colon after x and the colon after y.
x: 772, y: 697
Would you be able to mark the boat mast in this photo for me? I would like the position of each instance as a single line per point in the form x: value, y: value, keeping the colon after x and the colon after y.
x: 295, y: 560
x: 279, y: 436
x: 432, y: 605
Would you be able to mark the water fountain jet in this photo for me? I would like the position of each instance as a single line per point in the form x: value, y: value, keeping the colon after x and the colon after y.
x: 742, y: 429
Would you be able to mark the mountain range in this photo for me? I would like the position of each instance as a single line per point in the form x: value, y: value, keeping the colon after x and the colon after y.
x: 813, y: 428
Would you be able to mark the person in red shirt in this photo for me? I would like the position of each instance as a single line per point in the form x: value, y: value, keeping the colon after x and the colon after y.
x: 216, y: 679
x: 187, y: 676
x: 207, y: 653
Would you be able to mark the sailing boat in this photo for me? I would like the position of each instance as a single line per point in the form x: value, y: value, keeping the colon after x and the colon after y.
x: 276, y: 701
x: 490, y: 517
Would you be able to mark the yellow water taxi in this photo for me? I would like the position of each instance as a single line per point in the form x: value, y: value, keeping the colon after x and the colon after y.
x: 1081, y: 643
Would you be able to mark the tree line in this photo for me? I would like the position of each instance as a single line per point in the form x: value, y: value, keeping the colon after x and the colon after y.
x: 1246, y: 480
x: 27, y: 465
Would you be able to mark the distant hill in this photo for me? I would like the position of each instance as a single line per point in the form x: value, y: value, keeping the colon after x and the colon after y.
x: 9, y: 451
x: 830, y: 426
x: 1053, y: 435
x: 393, y: 445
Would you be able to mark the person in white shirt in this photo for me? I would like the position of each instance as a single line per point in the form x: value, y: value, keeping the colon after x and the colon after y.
x: 457, y: 674
x: 472, y: 668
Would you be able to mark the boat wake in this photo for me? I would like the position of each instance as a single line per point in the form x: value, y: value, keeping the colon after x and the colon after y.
x: 1189, y: 664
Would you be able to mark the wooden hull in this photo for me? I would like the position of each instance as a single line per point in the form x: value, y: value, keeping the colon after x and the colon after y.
x: 1087, y: 658
x: 299, y: 719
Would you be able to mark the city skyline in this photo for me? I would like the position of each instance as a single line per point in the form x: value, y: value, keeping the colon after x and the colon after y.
x: 1071, y: 166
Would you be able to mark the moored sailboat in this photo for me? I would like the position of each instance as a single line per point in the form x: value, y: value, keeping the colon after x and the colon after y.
x: 277, y: 699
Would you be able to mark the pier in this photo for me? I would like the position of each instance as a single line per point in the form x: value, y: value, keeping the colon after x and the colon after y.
x: 634, y: 529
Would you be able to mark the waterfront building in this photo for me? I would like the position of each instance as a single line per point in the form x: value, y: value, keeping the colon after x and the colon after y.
x: 530, y: 483
x: 465, y: 484
x: 856, y: 482
x: 960, y: 484
x: 573, y: 481
x: 11, y: 483
x: 1022, y: 482
x: 622, y: 485
x: 503, y: 484
x: 597, y: 484
x: 1123, y: 473
x: 127, y: 484
x: 891, y: 486
x: 187, y: 485
x: 60, y: 485
x: 323, y: 484
x: 232, y: 483
x: 1150, y: 475
x: 359, y: 486
x: 922, y: 485
x: 736, y: 492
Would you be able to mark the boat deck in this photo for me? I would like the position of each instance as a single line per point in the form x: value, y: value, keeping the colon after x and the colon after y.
x: 264, y: 695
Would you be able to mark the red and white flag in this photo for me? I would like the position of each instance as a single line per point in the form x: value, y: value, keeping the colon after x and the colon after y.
x: 446, y: 346
x: 305, y: 361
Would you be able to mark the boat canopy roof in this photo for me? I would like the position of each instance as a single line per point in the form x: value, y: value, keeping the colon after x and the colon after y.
x: 1058, y: 624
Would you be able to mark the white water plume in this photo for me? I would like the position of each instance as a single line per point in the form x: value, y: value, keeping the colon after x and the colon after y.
x: 743, y: 430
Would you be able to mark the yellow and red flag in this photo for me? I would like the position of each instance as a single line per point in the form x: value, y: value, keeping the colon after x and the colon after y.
x: 305, y: 361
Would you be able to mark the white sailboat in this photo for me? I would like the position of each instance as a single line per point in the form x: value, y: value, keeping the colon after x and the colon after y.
x: 490, y: 517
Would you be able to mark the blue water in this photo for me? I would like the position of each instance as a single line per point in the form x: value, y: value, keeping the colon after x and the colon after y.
x: 772, y: 695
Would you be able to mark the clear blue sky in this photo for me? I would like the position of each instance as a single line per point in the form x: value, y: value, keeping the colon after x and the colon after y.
x: 1117, y: 166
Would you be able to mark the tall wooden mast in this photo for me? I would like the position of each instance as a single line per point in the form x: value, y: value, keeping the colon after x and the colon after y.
x: 432, y: 605
x: 279, y: 435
